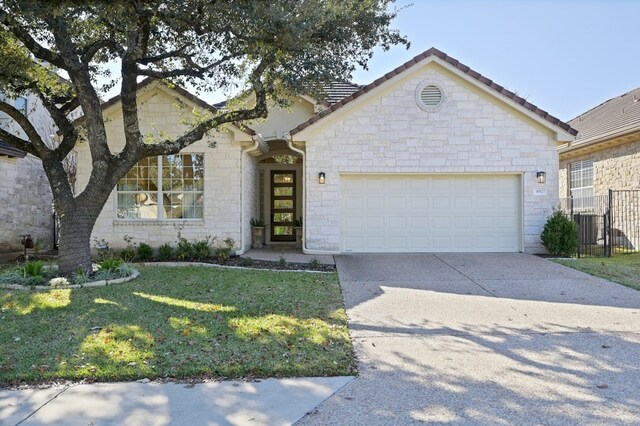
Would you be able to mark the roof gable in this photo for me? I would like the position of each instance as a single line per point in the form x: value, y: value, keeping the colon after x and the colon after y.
x: 183, y: 93
x: 454, y: 65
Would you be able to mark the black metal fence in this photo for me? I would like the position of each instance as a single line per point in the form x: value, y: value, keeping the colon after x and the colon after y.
x: 608, y: 224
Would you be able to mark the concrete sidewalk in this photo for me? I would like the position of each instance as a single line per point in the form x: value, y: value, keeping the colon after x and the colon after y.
x: 260, y: 402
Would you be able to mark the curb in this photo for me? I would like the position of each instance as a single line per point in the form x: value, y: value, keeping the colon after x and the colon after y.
x: 101, y: 283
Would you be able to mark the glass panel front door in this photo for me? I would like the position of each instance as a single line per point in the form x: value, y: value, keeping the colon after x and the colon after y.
x: 283, y: 205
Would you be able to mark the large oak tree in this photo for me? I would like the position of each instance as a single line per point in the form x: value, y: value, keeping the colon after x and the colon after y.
x: 271, y: 48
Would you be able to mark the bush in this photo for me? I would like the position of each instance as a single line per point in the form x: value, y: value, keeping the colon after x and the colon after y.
x: 144, y: 251
x: 201, y: 249
x: 224, y: 253
x: 33, y: 269
x: 246, y: 261
x: 127, y: 254
x: 165, y: 252
x: 560, y: 234
x: 184, y: 249
x: 110, y: 264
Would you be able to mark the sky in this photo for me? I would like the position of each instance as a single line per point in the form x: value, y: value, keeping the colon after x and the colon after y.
x: 564, y: 56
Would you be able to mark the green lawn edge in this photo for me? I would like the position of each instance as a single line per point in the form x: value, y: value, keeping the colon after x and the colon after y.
x: 620, y: 268
x: 178, y: 323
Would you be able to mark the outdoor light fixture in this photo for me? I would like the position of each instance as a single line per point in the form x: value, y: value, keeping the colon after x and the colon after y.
x: 321, y: 178
x: 541, y: 176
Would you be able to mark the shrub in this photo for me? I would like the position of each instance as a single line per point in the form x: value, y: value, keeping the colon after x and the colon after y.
x: 127, y: 254
x: 184, y: 249
x: 144, y: 251
x: 246, y: 261
x: 282, y: 262
x: 201, y: 249
x: 257, y: 223
x: 165, y: 252
x: 224, y: 253
x: 314, y: 264
x: 110, y: 264
x: 560, y: 234
x: 33, y: 269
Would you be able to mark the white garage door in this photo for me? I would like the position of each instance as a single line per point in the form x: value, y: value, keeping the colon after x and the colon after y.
x: 431, y: 213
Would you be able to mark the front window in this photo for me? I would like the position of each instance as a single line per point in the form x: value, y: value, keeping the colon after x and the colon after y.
x: 581, y: 183
x: 168, y: 187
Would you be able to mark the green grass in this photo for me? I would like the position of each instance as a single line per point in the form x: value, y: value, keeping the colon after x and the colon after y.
x: 620, y: 268
x: 178, y: 323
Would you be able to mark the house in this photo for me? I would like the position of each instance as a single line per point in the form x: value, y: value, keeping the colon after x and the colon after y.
x: 431, y: 157
x: 606, y: 156
x: 606, y: 152
x: 25, y: 195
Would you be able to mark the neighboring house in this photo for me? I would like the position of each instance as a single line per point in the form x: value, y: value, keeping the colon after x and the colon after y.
x: 606, y: 156
x: 606, y: 152
x: 431, y: 157
x: 25, y: 195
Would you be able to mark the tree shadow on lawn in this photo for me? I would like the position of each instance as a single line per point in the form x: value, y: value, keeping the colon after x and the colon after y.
x: 488, y: 375
x: 214, y: 324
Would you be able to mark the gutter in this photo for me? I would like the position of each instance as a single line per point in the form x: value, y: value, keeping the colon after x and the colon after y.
x: 575, y: 145
x: 257, y: 141
x: 305, y: 250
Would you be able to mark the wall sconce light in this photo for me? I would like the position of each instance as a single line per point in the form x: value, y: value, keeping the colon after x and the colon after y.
x: 321, y: 178
x: 541, y: 177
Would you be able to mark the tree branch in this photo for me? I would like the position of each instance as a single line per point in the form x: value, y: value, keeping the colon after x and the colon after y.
x: 195, y: 70
x: 17, y: 142
x: 34, y: 137
x: 87, y: 54
x: 259, y: 111
x: 29, y: 42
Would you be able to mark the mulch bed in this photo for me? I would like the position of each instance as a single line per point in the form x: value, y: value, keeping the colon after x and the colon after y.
x: 244, y: 262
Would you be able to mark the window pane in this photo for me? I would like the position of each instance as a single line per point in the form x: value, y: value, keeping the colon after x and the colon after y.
x: 283, y: 191
x: 283, y: 230
x: 283, y: 217
x: 282, y: 204
x: 137, y: 206
x: 283, y: 178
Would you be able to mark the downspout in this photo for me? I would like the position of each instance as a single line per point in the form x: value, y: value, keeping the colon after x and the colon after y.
x: 305, y: 250
x: 256, y: 144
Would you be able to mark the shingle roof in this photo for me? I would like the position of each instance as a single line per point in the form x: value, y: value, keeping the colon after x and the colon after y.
x: 454, y: 63
x: 337, y: 90
x: 619, y: 113
x: 10, y: 151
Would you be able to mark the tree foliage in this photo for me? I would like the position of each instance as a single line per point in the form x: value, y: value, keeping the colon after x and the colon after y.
x: 272, y: 49
x: 560, y: 234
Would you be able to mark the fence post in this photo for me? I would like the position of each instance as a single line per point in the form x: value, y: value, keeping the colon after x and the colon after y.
x: 577, y: 219
x: 609, y: 209
x: 571, y: 204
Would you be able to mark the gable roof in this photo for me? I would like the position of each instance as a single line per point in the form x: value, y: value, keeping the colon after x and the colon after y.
x: 10, y: 151
x: 433, y: 52
x: 617, y: 115
x: 183, y: 92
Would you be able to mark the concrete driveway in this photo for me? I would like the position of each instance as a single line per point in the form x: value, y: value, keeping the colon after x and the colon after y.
x: 486, y: 339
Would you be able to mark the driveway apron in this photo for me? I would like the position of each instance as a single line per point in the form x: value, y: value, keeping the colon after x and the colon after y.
x: 485, y: 339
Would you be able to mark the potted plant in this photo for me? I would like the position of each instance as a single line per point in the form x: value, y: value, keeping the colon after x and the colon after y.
x: 257, y: 233
x: 297, y: 226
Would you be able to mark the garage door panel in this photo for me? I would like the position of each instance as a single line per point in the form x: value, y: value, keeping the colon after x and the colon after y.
x: 430, y: 213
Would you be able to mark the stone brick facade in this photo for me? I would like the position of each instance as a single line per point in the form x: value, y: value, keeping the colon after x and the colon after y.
x: 616, y: 167
x: 159, y: 110
x: 386, y: 132
x: 26, y: 203
x: 25, y: 196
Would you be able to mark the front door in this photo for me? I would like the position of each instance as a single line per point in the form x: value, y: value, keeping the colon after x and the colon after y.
x: 283, y: 205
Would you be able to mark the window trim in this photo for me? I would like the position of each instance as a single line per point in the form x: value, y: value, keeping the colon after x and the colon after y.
x: 160, y: 200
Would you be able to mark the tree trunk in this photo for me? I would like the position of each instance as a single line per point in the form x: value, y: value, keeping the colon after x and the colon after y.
x: 74, y: 246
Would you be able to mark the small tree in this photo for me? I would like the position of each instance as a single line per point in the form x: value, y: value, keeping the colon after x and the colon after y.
x: 560, y: 234
x: 270, y: 49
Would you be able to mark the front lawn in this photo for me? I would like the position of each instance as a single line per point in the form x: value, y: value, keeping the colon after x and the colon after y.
x: 178, y: 323
x: 620, y: 268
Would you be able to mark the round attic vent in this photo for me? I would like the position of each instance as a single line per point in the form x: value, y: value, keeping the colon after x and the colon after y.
x: 431, y: 96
